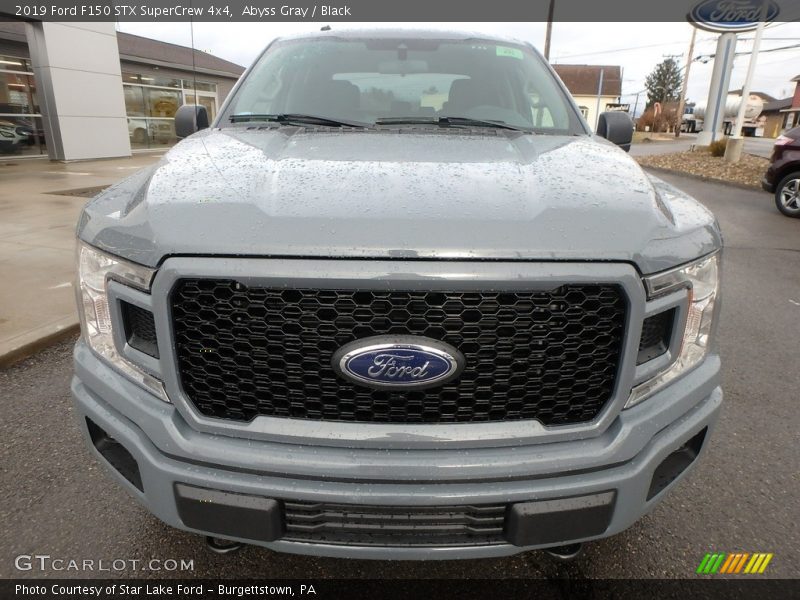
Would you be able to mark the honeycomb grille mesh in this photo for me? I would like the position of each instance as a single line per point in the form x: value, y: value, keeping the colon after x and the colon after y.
x: 248, y: 351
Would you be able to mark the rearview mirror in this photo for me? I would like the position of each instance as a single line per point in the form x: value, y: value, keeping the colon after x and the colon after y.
x: 190, y: 118
x: 617, y: 128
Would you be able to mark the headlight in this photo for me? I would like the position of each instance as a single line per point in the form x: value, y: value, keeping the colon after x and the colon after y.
x: 95, y: 269
x: 702, y: 279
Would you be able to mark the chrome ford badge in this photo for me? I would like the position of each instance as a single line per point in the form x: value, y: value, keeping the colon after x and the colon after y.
x: 398, y: 362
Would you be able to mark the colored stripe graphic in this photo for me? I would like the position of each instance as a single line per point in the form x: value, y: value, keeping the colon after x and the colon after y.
x: 724, y: 563
x: 741, y: 562
x: 732, y: 558
x: 752, y: 565
x: 712, y: 563
x: 703, y: 563
x: 764, y: 564
x: 718, y: 564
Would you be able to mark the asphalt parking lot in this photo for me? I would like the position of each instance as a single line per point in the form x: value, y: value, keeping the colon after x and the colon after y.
x: 56, y: 500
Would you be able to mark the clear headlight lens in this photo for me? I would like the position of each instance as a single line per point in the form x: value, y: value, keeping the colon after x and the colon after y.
x: 702, y: 279
x: 95, y: 269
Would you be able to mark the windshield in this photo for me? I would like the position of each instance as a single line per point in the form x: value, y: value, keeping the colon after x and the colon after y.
x: 396, y: 80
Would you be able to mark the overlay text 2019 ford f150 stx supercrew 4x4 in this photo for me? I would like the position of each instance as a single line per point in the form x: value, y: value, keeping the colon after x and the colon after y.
x: 398, y: 301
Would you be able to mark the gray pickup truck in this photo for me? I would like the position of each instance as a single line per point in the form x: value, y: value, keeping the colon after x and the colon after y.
x: 398, y: 301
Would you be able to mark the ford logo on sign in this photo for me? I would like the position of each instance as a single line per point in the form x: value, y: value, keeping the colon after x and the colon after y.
x: 732, y: 15
x: 398, y: 362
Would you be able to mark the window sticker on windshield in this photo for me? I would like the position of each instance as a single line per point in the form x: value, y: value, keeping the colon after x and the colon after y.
x: 506, y: 51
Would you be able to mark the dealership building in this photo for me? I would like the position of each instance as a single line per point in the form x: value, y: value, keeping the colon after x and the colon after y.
x: 74, y: 91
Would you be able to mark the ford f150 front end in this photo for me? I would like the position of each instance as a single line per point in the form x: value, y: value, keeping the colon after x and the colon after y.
x: 398, y: 302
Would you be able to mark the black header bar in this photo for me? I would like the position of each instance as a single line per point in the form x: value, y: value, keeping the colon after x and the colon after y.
x: 360, y: 11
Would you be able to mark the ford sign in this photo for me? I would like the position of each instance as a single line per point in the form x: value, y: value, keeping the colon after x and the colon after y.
x: 732, y: 15
x: 398, y: 362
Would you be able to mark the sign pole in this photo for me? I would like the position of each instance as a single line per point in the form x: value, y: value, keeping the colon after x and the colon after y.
x: 733, y: 150
x: 718, y: 93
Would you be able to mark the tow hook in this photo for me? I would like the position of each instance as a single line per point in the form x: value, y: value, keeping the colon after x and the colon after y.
x: 566, y: 553
x: 220, y: 546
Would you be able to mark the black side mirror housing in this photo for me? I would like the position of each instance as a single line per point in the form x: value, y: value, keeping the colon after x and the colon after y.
x: 190, y: 118
x: 617, y: 128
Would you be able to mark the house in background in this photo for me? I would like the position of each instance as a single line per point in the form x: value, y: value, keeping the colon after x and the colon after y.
x: 780, y: 115
x: 583, y: 82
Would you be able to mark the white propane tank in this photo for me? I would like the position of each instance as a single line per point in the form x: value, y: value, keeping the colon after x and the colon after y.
x: 753, y: 108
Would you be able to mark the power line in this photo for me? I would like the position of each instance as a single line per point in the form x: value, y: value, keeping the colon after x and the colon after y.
x: 593, y: 52
x: 781, y: 24
x: 708, y: 57
x: 699, y: 41
x: 771, y: 39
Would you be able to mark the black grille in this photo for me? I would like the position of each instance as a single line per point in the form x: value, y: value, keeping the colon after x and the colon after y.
x: 656, y: 331
x: 358, y: 525
x: 248, y: 351
x: 140, y: 329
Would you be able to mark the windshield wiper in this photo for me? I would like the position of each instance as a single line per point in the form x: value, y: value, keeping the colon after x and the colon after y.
x: 448, y: 122
x: 295, y: 119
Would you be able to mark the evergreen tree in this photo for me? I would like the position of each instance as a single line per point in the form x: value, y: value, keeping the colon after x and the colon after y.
x: 664, y: 83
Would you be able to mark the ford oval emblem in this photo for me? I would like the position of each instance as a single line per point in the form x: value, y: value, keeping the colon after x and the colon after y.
x: 732, y: 15
x: 398, y: 362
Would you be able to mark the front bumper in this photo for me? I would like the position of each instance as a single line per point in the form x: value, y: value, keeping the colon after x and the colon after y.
x: 170, y: 456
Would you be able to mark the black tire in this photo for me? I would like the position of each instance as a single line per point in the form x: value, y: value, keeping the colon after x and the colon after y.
x: 787, y: 195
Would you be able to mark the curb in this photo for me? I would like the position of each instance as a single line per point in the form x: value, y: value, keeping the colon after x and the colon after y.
x: 30, y: 343
x: 741, y: 186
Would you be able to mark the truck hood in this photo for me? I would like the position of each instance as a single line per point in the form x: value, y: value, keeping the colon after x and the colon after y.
x: 448, y: 193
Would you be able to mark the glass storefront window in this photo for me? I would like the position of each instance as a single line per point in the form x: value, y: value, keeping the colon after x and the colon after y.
x: 188, y: 84
x: 134, y: 100
x: 151, y: 80
x: 210, y: 104
x: 151, y: 103
x: 151, y: 133
x: 21, y: 131
x: 21, y: 135
x: 17, y: 93
x: 14, y: 63
x: 161, y: 102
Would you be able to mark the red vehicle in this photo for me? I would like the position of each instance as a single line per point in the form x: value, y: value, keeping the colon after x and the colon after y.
x: 783, y: 175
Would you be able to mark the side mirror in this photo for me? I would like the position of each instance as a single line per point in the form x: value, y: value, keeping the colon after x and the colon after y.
x: 190, y: 118
x: 617, y: 128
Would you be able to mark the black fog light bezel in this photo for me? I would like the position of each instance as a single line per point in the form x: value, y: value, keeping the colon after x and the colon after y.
x: 115, y: 454
x: 140, y: 328
x: 655, y: 344
x: 676, y: 463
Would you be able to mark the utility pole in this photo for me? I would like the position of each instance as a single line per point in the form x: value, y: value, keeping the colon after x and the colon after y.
x: 682, y: 101
x: 733, y: 149
x: 549, y: 31
x: 636, y: 105
x: 599, y: 94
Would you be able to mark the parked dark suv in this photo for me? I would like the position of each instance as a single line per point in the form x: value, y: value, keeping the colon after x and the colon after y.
x: 783, y: 175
